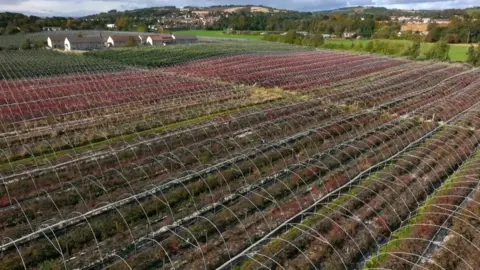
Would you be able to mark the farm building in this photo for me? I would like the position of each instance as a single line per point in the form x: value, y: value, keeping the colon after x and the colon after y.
x: 303, y: 33
x: 160, y: 40
x: 55, y: 42
x: 143, y: 38
x: 349, y: 35
x: 421, y: 28
x: 115, y: 41
x: 84, y: 43
x: 50, y: 28
x: 184, y: 39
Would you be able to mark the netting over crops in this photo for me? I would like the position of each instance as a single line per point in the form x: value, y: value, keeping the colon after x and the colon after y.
x: 255, y: 157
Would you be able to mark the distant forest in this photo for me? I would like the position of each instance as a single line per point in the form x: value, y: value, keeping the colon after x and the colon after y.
x: 367, y: 22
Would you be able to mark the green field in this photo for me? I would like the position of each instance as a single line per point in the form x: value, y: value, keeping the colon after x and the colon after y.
x: 217, y: 34
x: 458, y: 52
x: 160, y: 56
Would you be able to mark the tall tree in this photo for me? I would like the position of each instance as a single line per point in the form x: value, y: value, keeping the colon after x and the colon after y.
x: 142, y: 28
x: 439, y: 51
x: 122, y: 23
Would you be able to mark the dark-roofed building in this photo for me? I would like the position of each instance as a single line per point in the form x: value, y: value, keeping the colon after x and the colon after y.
x: 56, y: 42
x: 84, y: 43
x: 51, y: 28
x: 184, y: 39
x: 143, y: 38
x: 115, y: 41
x: 160, y: 40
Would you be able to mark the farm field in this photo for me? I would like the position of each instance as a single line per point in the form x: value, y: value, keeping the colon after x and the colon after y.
x: 458, y: 52
x: 246, y: 156
x: 217, y: 34
x: 169, y: 55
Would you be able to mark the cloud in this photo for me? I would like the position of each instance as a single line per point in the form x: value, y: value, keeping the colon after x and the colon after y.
x: 84, y: 7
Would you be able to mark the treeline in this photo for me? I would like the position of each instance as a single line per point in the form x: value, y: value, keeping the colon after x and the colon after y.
x: 15, y: 23
x: 412, y: 50
x: 462, y: 29
x: 473, y: 55
x: 465, y: 30
x: 292, y: 37
x: 301, y: 21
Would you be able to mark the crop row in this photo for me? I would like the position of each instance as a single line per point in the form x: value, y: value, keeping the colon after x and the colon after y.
x: 221, y: 175
x: 137, y: 88
x: 45, y: 142
x: 296, y: 71
x: 142, y: 145
x: 114, y: 179
x: 336, y: 129
x: 157, y: 163
x: 30, y: 187
x: 210, y: 184
x: 41, y: 63
x: 341, y: 233
x: 411, y: 244
x: 277, y: 244
x: 458, y: 248
x: 171, y: 55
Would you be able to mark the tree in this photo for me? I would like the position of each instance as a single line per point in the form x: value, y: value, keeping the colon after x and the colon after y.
x: 39, y: 44
x: 69, y: 24
x: 290, y: 36
x: 369, y: 47
x: 163, y: 30
x: 316, y: 40
x: 439, y: 51
x: 474, y: 55
x: 121, y: 23
x: 10, y: 30
x: 471, y: 55
x: 142, y: 28
x: 26, y: 44
x: 414, y: 50
x: 131, y: 42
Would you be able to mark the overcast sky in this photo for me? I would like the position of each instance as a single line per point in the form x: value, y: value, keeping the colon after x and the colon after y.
x: 84, y: 7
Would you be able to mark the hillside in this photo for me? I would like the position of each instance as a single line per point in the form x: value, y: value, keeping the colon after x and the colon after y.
x: 382, y: 11
x: 170, y: 10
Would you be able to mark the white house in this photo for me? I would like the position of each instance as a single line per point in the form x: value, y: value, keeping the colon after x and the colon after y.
x: 51, y: 28
x: 84, y: 43
x: 110, y: 25
x: 55, y: 42
x: 303, y: 33
x: 349, y: 34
